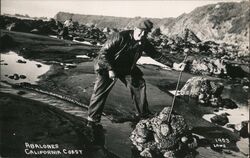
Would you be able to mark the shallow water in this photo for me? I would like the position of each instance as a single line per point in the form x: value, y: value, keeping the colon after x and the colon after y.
x: 116, y: 135
x: 31, y: 69
x: 237, y: 93
x: 236, y: 116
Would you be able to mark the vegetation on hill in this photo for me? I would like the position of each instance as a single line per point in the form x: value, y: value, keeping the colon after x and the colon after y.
x: 227, y: 22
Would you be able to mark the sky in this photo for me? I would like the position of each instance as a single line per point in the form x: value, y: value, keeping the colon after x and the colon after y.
x: 119, y: 8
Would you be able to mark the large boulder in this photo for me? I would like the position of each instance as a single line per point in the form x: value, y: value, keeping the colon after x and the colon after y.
x: 163, y: 136
x: 203, y: 88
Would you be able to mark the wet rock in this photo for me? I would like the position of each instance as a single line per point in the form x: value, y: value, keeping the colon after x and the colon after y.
x: 207, y: 91
x: 220, y: 119
x: 21, y: 61
x: 245, y: 82
x: 93, y: 42
x: 244, y: 130
x: 232, y: 126
x: 16, y: 77
x: 216, y: 110
x: 157, y: 135
x: 22, y: 76
x: 229, y: 104
x: 38, y: 65
x: 21, y: 92
x: 192, y: 86
x: 11, y: 77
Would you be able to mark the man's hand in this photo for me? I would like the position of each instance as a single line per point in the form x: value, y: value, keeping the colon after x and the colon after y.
x: 179, y: 67
x: 112, y: 75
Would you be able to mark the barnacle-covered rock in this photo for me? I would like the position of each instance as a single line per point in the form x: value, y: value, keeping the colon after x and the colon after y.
x: 166, y: 134
x: 205, y: 90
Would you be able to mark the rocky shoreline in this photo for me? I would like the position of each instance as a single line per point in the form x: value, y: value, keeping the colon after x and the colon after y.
x: 75, y: 84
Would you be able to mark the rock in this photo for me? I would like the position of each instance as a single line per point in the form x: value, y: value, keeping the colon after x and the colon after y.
x: 164, y: 129
x: 11, y: 77
x: 193, y: 85
x: 244, y: 130
x: 22, y: 76
x: 142, y: 132
x: 184, y: 139
x: 21, y: 92
x: 38, y: 65
x: 232, y: 126
x: 16, y: 77
x: 157, y: 135
x: 146, y: 153
x: 141, y: 140
x: 207, y: 91
x: 21, y: 61
x: 220, y: 119
x: 169, y: 154
x: 216, y: 110
x: 229, y: 104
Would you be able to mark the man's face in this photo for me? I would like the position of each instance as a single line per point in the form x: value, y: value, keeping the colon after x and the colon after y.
x: 139, y: 34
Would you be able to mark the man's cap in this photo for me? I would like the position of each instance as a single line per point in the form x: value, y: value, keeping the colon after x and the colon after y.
x: 145, y: 25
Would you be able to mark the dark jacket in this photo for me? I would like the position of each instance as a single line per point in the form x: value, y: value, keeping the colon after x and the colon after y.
x: 121, y: 52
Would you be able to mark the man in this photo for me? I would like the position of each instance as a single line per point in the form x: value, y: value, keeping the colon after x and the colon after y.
x: 117, y: 59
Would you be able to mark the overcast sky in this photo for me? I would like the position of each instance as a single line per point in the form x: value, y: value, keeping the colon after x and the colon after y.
x: 121, y: 8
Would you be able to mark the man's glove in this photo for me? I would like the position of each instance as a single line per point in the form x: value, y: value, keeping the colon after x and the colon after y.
x: 179, y: 67
x: 112, y: 75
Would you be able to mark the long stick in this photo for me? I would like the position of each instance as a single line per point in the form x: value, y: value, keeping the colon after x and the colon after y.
x: 177, y: 86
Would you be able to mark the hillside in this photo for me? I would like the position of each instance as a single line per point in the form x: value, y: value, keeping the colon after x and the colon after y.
x: 227, y: 22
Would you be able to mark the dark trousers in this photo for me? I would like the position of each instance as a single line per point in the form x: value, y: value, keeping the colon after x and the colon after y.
x: 103, y: 86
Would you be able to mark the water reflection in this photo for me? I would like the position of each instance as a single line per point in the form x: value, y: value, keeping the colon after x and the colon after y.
x: 16, y: 69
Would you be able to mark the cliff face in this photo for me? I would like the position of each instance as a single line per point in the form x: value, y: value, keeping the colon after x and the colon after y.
x: 227, y: 22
